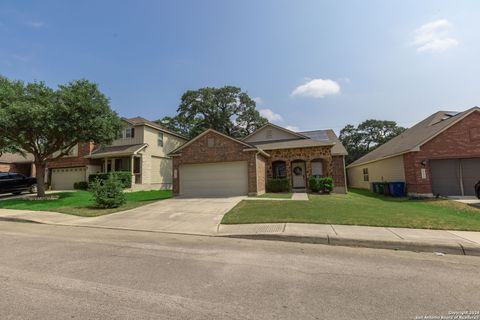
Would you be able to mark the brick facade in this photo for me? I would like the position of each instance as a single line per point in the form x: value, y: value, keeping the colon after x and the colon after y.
x: 462, y: 140
x: 84, y: 149
x: 259, y: 167
x: 261, y: 174
x: 27, y: 169
x: 222, y: 150
x: 338, y: 175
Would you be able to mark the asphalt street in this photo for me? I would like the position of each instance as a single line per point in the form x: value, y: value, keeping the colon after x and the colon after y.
x: 56, y: 272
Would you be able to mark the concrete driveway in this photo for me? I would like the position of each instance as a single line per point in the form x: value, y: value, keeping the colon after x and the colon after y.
x: 177, y: 215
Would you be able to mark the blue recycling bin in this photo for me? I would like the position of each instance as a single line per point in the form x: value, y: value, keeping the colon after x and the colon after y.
x: 397, y: 189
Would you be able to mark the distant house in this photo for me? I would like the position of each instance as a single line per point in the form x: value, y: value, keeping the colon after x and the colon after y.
x: 12, y: 162
x: 438, y: 156
x: 142, y: 148
x: 214, y: 164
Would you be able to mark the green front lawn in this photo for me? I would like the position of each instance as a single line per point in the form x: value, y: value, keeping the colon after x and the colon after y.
x: 286, y: 195
x: 359, y: 207
x: 80, y: 203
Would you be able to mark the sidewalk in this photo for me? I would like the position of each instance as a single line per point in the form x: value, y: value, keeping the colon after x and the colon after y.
x: 420, y: 240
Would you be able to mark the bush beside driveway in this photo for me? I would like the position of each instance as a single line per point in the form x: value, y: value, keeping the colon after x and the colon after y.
x: 81, y: 203
x: 359, y: 207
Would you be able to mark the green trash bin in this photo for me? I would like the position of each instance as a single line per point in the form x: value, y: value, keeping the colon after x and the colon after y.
x: 374, y: 187
x: 380, y: 188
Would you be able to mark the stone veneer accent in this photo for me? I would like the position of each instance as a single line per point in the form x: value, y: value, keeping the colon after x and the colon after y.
x: 302, y: 154
x: 458, y: 141
x: 223, y: 149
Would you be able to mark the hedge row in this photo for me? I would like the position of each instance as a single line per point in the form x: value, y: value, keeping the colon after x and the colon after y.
x: 321, y: 184
x: 125, y: 177
x: 278, y: 185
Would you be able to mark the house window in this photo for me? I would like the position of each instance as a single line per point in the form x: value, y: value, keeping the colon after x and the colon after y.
x: 317, y: 168
x: 127, y: 133
x: 279, y: 170
x: 210, y: 142
x: 365, y: 174
x: 160, y: 139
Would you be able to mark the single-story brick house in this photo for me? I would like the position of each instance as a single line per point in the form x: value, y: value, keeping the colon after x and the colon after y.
x: 214, y: 164
x: 438, y: 156
x: 13, y: 162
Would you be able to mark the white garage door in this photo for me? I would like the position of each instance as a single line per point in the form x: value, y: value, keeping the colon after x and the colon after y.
x: 63, y: 179
x: 214, y: 179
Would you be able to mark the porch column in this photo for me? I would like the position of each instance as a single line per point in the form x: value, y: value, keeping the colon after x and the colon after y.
x: 105, y: 165
x: 132, y: 167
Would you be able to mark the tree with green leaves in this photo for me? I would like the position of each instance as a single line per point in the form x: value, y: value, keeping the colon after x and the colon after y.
x: 48, y: 123
x: 368, y: 135
x: 228, y: 110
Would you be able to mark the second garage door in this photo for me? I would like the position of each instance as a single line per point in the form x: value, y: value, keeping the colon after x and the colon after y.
x: 63, y: 179
x: 455, y: 177
x: 214, y: 179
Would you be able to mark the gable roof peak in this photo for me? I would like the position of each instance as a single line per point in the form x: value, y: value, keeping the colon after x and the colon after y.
x: 269, y: 124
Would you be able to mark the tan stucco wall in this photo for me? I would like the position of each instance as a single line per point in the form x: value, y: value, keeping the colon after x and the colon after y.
x: 390, y: 169
x: 156, y: 165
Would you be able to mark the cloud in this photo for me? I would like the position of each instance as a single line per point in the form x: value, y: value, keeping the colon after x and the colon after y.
x: 316, y: 88
x: 434, y: 37
x: 292, y: 128
x: 36, y: 24
x: 270, y: 115
x: 258, y: 100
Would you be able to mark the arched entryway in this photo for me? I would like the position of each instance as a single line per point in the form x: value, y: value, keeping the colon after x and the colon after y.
x: 299, y: 174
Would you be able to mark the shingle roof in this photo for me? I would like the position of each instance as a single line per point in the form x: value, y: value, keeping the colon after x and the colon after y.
x: 104, y: 151
x: 140, y: 121
x: 327, y: 135
x: 312, y: 139
x: 15, y: 158
x: 301, y: 143
x: 415, y: 136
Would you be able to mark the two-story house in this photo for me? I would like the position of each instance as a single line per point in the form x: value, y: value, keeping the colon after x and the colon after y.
x: 142, y: 148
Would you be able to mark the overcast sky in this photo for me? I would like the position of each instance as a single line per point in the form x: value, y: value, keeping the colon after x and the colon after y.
x: 309, y: 64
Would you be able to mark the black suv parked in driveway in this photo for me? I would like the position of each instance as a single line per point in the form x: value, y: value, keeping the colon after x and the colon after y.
x: 16, y: 183
x: 477, y: 189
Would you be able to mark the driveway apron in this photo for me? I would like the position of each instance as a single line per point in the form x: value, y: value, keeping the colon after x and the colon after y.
x: 177, y: 215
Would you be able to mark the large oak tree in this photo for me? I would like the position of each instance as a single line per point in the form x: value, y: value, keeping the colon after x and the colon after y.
x: 228, y: 110
x: 48, y: 123
x: 368, y: 135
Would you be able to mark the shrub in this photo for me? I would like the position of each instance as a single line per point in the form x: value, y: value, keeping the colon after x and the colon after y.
x: 80, y: 185
x: 321, y: 184
x: 278, y: 185
x: 125, y: 177
x: 108, y: 193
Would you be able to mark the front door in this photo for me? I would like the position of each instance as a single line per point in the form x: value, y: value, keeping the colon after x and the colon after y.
x: 298, y: 174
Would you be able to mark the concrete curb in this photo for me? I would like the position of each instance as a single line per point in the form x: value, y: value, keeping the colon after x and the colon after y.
x: 416, y: 246
x: 13, y: 219
x: 404, y: 245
